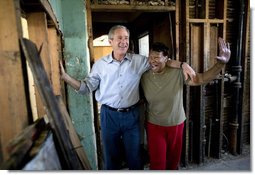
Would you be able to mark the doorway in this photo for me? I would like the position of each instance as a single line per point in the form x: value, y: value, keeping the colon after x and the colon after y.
x: 147, y: 24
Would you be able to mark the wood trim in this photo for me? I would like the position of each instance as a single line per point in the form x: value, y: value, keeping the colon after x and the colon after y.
x: 130, y: 8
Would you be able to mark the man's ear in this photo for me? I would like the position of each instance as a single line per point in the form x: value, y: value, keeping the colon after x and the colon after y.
x: 110, y: 41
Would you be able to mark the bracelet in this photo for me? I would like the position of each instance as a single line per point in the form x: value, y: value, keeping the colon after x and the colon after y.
x: 181, y: 65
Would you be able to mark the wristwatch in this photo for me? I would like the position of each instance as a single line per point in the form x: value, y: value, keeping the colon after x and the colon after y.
x: 181, y: 65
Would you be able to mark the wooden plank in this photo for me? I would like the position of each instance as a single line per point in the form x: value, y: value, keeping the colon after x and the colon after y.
x: 213, y: 40
x: 206, y: 38
x: 55, y: 55
x: 31, y: 84
x: 37, y: 29
x: 38, y: 33
x: 13, y: 104
x: 196, y: 47
x: 54, y: 113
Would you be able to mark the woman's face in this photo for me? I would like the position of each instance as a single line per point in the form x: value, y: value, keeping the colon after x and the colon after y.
x: 157, y: 61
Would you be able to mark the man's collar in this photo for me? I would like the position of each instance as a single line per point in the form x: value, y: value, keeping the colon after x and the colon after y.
x: 109, y: 58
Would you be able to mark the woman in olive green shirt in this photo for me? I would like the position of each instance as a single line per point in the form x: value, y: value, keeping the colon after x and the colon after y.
x: 163, y: 90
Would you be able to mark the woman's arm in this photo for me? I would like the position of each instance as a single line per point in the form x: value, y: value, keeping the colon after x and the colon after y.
x: 209, y: 75
x: 222, y: 59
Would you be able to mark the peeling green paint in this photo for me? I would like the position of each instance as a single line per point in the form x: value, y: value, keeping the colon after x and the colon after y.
x: 72, y: 22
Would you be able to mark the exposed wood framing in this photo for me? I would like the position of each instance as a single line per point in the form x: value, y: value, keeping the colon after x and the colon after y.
x: 202, y: 32
x: 13, y: 100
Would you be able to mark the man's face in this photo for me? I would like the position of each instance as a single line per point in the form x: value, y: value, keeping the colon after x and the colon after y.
x: 120, y: 41
x: 157, y: 61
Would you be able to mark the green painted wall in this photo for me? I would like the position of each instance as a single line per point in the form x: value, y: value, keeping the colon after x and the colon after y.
x: 71, y: 16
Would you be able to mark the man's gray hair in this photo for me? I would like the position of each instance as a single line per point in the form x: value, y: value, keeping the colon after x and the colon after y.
x: 112, y: 30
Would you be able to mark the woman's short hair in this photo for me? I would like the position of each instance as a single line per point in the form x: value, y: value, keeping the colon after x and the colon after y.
x: 160, y: 47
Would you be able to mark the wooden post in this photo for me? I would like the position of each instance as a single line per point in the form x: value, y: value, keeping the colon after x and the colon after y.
x: 55, y: 55
x: 188, y: 131
x: 95, y: 105
x: 177, y: 32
